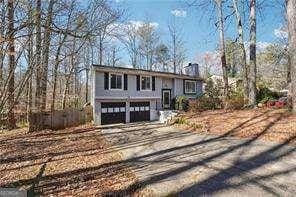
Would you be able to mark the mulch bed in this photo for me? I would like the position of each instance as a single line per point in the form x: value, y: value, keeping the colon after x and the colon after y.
x: 267, y: 124
x: 71, y: 162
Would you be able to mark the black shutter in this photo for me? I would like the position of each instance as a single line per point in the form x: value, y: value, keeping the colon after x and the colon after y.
x: 153, y: 83
x: 184, y: 86
x: 138, y: 82
x: 106, y: 81
x: 125, y: 81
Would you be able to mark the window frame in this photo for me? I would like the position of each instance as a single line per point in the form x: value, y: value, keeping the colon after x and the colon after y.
x: 116, y: 80
x: 150, y: 78
x: 190, y: 81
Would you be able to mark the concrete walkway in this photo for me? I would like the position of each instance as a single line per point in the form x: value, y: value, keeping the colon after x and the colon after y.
x: 172, y: 161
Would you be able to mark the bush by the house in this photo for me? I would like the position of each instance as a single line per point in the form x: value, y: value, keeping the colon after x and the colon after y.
x: 264, y: 94
x: 208, y: 103
x: 209, y: 100
x: 236, y: 100
x: 181, y: 103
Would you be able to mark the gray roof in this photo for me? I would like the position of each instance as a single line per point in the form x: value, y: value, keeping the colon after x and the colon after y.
x: 144, y: 72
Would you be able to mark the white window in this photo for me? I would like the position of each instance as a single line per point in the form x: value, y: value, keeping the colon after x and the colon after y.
x: 146, y: 83
x: 190, y: 87
x: 116, y: 82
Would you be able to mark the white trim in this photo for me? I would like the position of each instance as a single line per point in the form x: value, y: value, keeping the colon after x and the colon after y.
x: 122, y: 81
x: 125, y: 98
x: 141, y: 76
x: 190, y: 81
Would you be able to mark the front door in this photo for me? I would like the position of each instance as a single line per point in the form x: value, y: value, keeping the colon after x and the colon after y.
x: 166, y: 98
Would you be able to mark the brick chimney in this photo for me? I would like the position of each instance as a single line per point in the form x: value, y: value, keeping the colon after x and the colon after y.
x: 192, y: 69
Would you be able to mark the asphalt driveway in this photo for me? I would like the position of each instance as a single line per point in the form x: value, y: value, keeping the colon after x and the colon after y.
x: 172, y: 161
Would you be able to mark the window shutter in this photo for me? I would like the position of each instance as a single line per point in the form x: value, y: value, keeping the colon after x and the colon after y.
x: 106, y: 81
x: 153, y: 83
x: 125, y: 81
x: 138, y: 82
x: 184, y: 86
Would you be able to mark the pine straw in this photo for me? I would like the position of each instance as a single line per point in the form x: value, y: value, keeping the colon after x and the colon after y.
x: 277, y: 125
x: 75, y: 161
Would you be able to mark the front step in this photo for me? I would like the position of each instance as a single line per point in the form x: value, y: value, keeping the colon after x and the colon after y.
x: 166, y: 116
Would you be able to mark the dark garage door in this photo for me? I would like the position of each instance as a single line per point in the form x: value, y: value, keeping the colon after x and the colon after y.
x: 112, y: 112
x: 139, y: 111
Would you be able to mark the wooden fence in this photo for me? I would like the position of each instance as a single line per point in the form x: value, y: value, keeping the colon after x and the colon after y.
x: 59, y: 119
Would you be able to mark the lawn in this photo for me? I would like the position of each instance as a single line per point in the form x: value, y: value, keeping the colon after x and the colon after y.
x: 66, y: 162
x: 267, y: 124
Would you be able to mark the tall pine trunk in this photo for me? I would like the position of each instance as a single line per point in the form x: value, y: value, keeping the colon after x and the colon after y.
x: 253, y: 69
x: 2, y: 32
x: 30, y: 66
x: 240, y: 31
x: 55, y: 71
x: 45, y: 55
x: 11, y: 53
x: 291, y: 16
x: 222, y: 48
x: 38, y: 55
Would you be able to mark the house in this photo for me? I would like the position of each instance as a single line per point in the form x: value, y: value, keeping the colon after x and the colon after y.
x: 122, y: 95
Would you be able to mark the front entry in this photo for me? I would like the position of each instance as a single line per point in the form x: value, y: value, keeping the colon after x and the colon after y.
x: 166, y: 98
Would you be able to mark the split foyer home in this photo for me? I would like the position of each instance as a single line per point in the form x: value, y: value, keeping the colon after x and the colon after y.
x: 122, y: 95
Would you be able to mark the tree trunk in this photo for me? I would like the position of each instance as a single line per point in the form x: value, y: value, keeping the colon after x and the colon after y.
x: 174, y: 54
x: 86, y: 84
x: 242, y: 49
x: 252, y: 74
x: 66, y: 91
x: 30, y: 67
x: 55, y: 72
x: 222, y: 47
x: 291, y: 16
x: 2, y: 32
x: 38, y: 55
x: 11, y: 52
x: 45, y: 57
x: 100, y: 50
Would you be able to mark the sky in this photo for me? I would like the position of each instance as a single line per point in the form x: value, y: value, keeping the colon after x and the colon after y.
x: 198, y: 26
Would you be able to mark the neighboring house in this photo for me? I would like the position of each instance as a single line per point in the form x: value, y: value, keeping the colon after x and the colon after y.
x: 122, y: 95
x: 232, y: 82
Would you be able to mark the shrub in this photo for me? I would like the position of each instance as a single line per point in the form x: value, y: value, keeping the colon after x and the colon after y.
x: 181, y: 103
x: 264, y: 94
x: 181, y: 120
x: 205, y: 103
x: 236, y: 100
x: 235, y: 103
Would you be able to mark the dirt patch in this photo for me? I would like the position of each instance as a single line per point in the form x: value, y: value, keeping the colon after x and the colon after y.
x: 76, y: 161
x: 268, y: 124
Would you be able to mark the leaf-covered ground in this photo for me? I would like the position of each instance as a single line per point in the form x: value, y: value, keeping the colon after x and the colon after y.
x: 267, y: 124
x: 70, y: 162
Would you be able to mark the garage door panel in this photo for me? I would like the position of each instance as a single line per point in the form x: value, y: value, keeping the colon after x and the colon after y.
x: 139, y: 111
x: 113, y: 112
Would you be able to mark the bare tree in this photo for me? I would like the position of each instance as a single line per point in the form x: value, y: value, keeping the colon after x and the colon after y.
x: 177, y: 47
x: 291, y: 16
x: 253, y: 68
x: 222, y: 47
x: 2, y: 46
x: 240, y: 31
x: 38, y: 54
x: 130, y: 40
x: 148, y: 40
x: 45, y: 55
x: 11, y: 54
